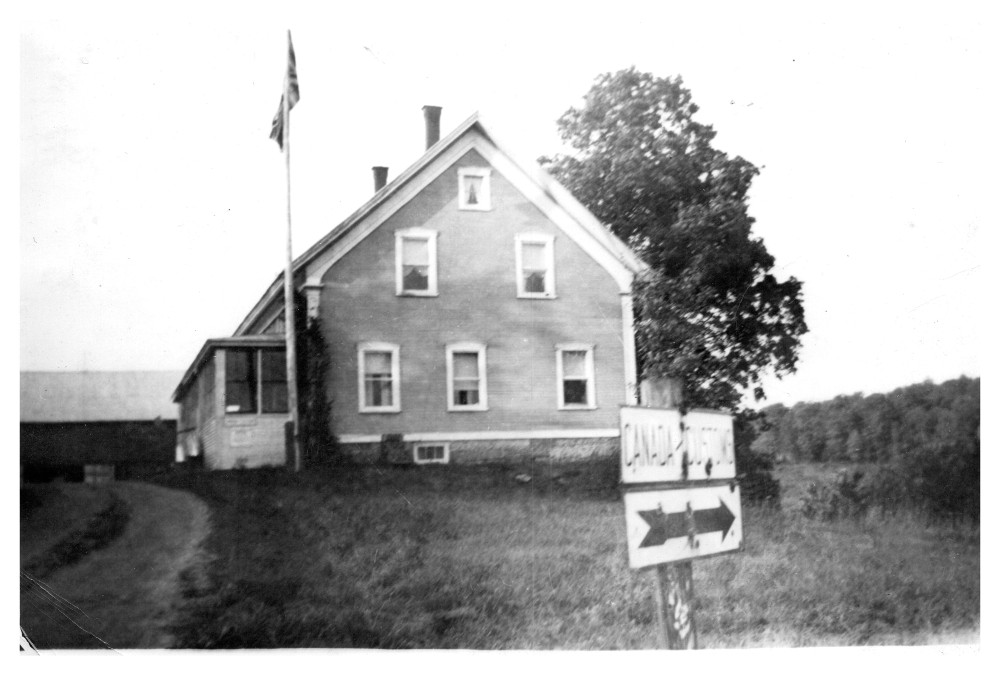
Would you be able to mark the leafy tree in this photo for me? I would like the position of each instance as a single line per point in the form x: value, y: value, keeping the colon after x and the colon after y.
x: 709, y: 311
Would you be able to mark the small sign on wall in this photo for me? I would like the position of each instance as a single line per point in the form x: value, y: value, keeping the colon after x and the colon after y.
x: 241, y: 437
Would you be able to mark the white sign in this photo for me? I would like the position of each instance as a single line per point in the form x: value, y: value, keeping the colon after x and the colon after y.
x: 653, y: 445
x: 664, y: 526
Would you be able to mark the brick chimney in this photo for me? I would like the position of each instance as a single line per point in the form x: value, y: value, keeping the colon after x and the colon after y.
x: 432, y: 120
x: 381, y: 174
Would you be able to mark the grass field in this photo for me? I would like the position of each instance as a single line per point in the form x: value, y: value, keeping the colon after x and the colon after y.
x: 439, y: 557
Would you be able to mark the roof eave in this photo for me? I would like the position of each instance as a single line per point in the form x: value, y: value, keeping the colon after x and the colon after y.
x: 345, y: 225
x: 215, y: 343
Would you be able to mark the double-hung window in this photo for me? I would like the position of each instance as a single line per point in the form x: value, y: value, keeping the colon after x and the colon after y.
x: 378, y: 377
x: 466, y: 371
x: 575, y: 377
x: 535, y: 265
x: 416, y: 262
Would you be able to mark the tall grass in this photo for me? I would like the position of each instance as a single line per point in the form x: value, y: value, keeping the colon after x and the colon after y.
x: 441, y: 557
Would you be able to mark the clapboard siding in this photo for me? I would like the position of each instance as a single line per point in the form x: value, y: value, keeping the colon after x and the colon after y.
x: 477, y: 302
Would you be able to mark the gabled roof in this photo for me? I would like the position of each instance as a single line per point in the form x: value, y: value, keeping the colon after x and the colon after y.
x: 541, y: 180
x: 97, y: 396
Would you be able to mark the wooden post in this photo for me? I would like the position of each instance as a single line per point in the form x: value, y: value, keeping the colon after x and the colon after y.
x: 675, y: 602
x: 674, y: 581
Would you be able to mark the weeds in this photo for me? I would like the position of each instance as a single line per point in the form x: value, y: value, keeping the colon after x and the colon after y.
x: 471, y: 557
x: 103, y: 528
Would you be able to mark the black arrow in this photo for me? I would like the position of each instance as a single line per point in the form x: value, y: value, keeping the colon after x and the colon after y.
x: 663, y: 526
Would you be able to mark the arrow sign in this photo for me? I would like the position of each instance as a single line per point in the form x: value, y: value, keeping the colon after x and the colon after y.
x: 663, y: 526
x: 671, y: 524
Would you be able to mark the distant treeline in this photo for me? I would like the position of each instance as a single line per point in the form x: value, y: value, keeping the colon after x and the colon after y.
x: 922, y: 440
x: 876, y: 428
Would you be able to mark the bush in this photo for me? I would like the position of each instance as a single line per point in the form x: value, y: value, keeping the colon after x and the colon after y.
x: 849, y: 495
x: 757, y: 484
x: 754, y: 469
x: 943, y: 478
x: 938, y: 480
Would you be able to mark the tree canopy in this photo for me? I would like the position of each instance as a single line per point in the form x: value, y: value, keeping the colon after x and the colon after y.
x: 709, y: 311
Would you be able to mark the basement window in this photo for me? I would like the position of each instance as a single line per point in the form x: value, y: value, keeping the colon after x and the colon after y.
x: 474, y: 189
x: 430, y: 453
x: 416, y: 262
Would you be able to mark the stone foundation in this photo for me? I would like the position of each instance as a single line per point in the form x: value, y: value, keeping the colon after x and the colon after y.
x: 396, y: 451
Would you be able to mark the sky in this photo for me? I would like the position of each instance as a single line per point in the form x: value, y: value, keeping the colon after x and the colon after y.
x: 151, y: 200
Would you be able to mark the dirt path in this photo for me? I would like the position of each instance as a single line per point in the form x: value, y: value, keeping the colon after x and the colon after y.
x: 124, y: 595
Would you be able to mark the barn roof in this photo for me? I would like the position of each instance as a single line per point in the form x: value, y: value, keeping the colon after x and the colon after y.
x: 97, y: 396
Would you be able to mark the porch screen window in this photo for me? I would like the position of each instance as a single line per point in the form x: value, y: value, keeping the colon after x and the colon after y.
x: 575, y: 370
x: 241, y: 381
x: 273, y: 382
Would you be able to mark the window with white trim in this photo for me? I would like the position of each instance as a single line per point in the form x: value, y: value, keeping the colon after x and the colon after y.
x: 430, y: 453
x: 535, y: 266
x: 575, y: 377
x: 466, y: 371
x: 378, y: 377
x: 416, y: 262
x: 474, y: 189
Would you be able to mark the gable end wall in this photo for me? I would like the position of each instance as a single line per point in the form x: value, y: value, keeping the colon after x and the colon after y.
x: 476, y: 303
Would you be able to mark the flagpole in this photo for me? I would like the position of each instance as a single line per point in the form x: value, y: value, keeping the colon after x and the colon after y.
x: 290, y: 360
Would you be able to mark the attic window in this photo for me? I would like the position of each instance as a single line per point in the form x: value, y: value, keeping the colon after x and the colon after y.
x: 474, y: 189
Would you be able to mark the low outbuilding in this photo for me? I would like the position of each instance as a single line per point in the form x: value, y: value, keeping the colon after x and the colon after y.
x: 96, y: 425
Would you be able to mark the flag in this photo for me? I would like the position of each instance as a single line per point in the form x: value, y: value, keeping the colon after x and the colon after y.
x: 292, y: 91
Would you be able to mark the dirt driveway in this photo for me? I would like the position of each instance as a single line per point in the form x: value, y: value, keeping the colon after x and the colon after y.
x: 124, y: 595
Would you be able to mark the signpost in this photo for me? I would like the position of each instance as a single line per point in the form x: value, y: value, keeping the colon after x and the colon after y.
x: 681, y: 499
